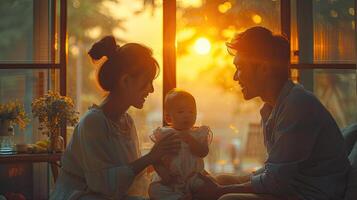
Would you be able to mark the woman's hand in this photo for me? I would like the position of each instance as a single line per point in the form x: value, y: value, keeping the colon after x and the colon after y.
x: 169, y: 179
x: 167, y: 145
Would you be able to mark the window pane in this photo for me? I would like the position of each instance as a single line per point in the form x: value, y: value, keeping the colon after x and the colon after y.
x: 25, y: 86
x: 334, y: 31
x: 205, y: 69
x: 294, y: 40
x: 128, y: 21
x: 27, y: 32
x: 337, y: 91
x: 332, y: 38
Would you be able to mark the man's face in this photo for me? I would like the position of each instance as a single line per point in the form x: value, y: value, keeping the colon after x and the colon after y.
x: 249, y: 76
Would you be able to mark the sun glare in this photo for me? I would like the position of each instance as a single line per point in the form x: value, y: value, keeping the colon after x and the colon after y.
x: 202, y: 46
x: 257, y: 19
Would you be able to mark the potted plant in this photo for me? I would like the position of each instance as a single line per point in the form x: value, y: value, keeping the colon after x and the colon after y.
x: 53, y: 112
x: 11, y: 113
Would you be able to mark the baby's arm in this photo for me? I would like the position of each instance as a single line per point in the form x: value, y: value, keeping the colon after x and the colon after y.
x: 197, y: 148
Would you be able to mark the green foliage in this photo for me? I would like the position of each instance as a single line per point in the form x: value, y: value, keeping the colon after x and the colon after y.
x: 15, y: 23
x: 84, y: 15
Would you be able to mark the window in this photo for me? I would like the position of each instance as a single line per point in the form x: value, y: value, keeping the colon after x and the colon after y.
x: 205, y: 69
x: 30, y: 32
x: 32, y: 61
x: 128, y: 21
x: 323, y: 51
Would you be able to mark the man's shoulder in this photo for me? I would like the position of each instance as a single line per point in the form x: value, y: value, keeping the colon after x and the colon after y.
x: 299, y: 97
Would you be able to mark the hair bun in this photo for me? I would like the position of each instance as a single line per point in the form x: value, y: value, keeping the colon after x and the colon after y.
x: 104, y: 47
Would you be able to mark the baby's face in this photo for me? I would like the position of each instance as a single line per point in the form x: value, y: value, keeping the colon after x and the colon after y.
x: 183, y: 114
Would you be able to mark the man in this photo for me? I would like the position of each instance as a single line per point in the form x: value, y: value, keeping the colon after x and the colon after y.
x: 306, y: 155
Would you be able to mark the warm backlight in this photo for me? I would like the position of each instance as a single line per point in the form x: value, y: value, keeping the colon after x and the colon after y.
x: 202, y: 46
x: 257, y: 19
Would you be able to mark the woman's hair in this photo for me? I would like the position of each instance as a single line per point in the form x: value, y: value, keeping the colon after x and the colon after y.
x: 131, y: 58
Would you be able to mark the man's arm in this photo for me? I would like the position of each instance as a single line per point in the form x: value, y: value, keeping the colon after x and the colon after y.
x: 236, y: 188
x: 229, y: 179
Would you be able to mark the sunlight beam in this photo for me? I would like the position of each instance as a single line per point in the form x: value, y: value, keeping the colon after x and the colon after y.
x: 202, y: 46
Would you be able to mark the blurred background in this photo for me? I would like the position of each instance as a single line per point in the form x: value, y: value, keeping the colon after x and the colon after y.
x: 203, y: 66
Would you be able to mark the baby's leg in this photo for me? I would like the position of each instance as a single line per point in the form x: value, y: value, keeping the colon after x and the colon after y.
x: 159, y: 191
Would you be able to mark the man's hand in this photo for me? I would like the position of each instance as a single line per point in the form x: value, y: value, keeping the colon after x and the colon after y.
x: 210, y: 190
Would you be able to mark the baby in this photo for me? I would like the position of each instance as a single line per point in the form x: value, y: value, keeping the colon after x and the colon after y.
x: 177, y: 176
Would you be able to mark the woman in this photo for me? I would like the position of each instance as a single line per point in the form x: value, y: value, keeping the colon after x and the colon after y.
x: 102, y: 160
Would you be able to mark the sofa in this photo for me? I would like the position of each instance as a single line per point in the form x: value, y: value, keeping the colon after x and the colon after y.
x: 350, y: 136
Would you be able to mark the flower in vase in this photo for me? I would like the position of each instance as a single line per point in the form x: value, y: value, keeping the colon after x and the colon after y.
x: 14, y: 112
x: 53, y: 111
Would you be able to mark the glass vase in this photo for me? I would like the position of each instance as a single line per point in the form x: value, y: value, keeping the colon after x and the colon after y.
x: 56, y: 144
x: 7, y: 137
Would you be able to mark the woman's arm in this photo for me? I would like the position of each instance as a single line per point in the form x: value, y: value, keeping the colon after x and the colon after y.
x: 141, y: 163
x: 168, y: 145
x: 165, y: 175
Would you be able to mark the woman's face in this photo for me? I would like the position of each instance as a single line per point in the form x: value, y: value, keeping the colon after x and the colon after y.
x: 138, y: 89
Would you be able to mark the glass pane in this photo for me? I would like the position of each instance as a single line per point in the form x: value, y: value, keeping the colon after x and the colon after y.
x: 128, y: 21
x: 205, y: 69
x: 332, y: 31
x: 24, y: 86
x: 27, y: 33
x: 294, y: 42
x: 337, y: 91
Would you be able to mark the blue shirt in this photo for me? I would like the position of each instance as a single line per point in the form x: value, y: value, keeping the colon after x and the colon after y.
x: 306, y: 153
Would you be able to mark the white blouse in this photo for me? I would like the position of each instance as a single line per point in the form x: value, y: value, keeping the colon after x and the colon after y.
x: 95, y: 163
x: 184, y: 164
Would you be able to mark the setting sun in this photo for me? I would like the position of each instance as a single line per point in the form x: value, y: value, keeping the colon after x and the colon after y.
x: 202, y: 46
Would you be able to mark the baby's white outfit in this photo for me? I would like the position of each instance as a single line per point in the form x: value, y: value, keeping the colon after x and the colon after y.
x: 184, y: 165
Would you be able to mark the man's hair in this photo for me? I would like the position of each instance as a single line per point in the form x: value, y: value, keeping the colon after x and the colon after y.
x: 262, y: 45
